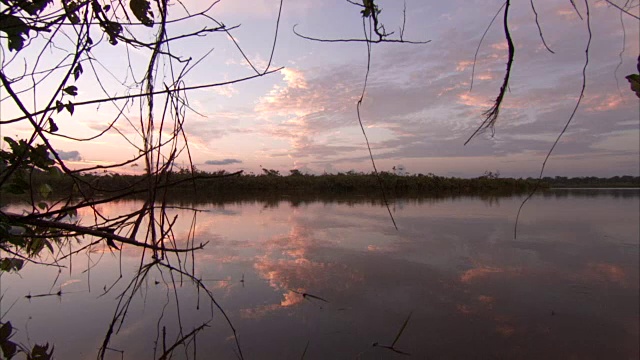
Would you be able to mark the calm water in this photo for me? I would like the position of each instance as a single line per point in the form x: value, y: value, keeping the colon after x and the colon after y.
x: 567, y: 287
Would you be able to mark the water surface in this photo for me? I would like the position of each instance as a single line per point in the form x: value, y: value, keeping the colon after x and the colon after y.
x: 567, y: 287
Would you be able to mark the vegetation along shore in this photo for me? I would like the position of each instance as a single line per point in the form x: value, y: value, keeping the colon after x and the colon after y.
x: 227, y: 184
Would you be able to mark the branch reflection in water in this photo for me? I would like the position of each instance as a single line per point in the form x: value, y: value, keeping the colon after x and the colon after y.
x: 331, y: 278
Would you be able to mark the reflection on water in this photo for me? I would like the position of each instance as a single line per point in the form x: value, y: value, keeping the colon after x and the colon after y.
x: 329, y: 279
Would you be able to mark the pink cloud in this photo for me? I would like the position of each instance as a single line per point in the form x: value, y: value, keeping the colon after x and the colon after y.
x: 469, y: 99
x: 463, y: 65
x: 502, y: 46
x: 294, y: 78
x: 479, y: 272
x: 262, y: 8
x: 603, y: 102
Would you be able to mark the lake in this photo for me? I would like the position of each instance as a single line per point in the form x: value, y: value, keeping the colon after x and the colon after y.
x: 329, y: 279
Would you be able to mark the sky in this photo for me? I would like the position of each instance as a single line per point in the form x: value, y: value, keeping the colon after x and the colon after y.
x: 418, y: 108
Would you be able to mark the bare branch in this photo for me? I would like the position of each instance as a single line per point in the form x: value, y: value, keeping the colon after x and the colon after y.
x: 491, y: 115
x: 622, y: 9
x: 540, y: 29
x: 84, y: 230
x: 576, y: 9
x: 134, y: 96
x: 475, y: 56
x: 366, y: 40
x: 275, y: 37
x: 566, y: 125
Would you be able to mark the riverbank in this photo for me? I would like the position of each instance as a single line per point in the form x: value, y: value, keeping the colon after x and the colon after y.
x: 226, y: 184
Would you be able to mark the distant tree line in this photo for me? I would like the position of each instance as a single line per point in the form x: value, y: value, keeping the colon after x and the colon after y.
x: 222, y: 182
x: 53, y: 184
x: 592, y: 181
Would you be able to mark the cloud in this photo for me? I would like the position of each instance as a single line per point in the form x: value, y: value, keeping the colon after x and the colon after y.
x: 219, y: 124
x: 69, y: 155
x: 294, y: 78
x: 418, y: 108
x: 223, y: 162
x: 227, y: 91
x: 418, y: 104
x: 259, y: 9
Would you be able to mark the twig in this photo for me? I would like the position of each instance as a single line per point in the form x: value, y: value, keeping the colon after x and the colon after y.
x: 392, y: 347
x: 566, y: 126
x: 540, y: 29
x: 475, y: 56
x: 622, y: 9
x: 167, y: 352
x: 366, y: 40
x: 491, y: 115
x: 275, y: 37
x: 49, y: 224
x: 133, y: 96
x: 364, y: 133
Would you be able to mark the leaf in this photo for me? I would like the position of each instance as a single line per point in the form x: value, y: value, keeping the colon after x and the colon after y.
x: 112, y: 244
x: 6, y: 328
x: 113, y: 29
x: 55, y: 172
x: 42, y: 205
x: 40, y: 157
x: 17, y: 264
x: 9, y: 348
x: 45, y: 190
x: 77, y: 71
x: 47, y: 243
x: 71, y: 213
x: 73, y: 18
x: 33, y: 7
x: 12, y: 143
x: 9, y: 265
x: 70, y: 8
x: 39, y: 352
x: 34, y: 247
x: 71, y: 90
x: 52, y: 126
x: 369, y: 8
x: 142, y: 11
x: 69, y: 107
x: 15, y: 28
x: 634, y: 81
x: 59, y: 106
x: 18, y: 241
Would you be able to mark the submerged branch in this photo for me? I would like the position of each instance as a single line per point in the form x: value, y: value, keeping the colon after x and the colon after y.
x: 85, y: 230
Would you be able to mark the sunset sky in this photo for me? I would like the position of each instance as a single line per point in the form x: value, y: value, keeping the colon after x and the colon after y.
x: 418, y: 109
